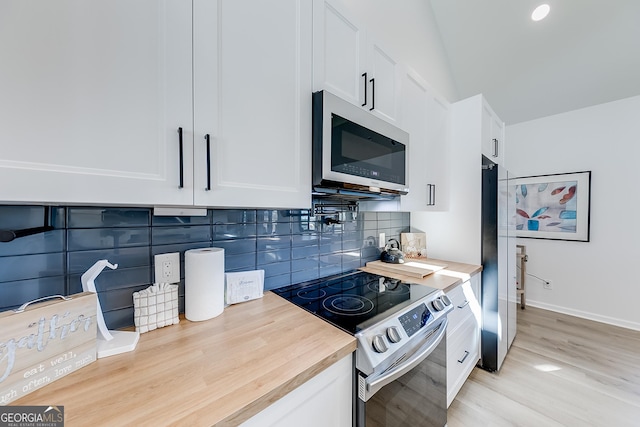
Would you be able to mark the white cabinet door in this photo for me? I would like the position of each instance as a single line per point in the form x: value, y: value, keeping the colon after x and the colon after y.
x: 415, y: 112
x: 252, y: 96
x: 93, y: 94
x: 492, y: 134
x: 351, y: 63
x: 426, y: 118
x: 497, y: 136
x: 438, y: 166
x: 338, y: 52
x: 384, y: 81
x: 324, y: 400
x: 463, y: 335
x: 462, y: 357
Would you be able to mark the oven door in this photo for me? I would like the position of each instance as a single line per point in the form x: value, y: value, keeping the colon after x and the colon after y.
x: 413, y: 393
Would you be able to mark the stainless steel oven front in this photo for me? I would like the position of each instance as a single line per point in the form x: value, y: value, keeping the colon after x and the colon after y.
x: 400, y: 375
x: 403, y: 384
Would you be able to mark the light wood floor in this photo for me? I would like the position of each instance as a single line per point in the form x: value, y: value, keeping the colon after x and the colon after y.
x: 560, y: 371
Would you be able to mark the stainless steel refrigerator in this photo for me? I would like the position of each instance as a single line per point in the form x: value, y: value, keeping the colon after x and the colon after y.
x: 499, y: 308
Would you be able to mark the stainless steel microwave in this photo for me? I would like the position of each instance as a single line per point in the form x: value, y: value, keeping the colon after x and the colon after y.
x: 354, y: 152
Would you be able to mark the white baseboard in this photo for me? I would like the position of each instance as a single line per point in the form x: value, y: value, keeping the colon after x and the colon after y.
x: 586, y: 315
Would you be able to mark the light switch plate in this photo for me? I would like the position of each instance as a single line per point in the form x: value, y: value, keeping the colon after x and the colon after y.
x: 167, y: 267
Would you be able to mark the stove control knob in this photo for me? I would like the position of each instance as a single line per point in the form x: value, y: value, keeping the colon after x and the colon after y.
x: 446, y: 300
x: 379, y: 345
x: 393, y: 334
x: 437, y: 304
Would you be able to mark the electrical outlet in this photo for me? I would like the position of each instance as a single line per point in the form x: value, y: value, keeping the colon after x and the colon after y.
x: 383, y: 241
x: 167, y: 267
x: 547, y: 284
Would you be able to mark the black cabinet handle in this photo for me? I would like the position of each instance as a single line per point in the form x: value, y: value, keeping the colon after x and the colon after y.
x: 181, y: 158
x: 495, y: 147
x: 431, y: 194
x: 373, y: 94
x: 365, y: 88
x: 207, y: 138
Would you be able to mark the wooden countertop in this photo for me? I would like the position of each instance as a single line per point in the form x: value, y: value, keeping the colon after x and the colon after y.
x: 216, y: 372
x: 446, y: 279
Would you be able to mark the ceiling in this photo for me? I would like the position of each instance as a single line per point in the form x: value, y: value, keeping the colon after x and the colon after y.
x: 586, y: 52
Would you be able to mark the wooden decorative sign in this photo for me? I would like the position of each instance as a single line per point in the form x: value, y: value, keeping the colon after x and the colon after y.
x: 45, y: 342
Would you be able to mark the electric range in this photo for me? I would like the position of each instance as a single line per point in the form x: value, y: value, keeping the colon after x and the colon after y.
x: 355, y: 300
x: 401, y: 333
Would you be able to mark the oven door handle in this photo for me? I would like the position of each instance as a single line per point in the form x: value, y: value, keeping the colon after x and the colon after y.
x: 373, y: 383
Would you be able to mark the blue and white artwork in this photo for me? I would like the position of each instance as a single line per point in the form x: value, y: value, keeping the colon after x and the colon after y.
x: 553, y: 206
x: 547, y: 206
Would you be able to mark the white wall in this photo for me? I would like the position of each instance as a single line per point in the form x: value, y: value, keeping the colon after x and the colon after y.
x: 595, y: 279
x: 408, y: 28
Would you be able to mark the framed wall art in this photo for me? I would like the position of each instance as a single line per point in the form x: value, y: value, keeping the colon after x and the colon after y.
x: 553, y: 206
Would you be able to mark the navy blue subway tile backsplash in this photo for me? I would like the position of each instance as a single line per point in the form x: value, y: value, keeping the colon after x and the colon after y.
x: 291, y: 246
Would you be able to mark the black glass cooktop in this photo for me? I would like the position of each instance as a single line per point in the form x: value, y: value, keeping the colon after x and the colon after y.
x: 355, y: 300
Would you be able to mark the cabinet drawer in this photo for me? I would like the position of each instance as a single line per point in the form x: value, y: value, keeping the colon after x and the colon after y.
x: 462, y: 356
x: 462, y: 303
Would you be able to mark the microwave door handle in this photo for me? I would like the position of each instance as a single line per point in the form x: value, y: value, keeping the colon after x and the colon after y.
x: 373, y: 93
x: 374, y: 383
x: 364, y: 75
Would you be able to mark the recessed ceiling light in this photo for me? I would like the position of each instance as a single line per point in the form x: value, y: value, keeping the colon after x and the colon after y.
x: 540, y: 12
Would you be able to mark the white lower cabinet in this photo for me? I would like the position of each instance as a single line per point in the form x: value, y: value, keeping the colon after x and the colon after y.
x: 463, y: 335
x: 324, y: 400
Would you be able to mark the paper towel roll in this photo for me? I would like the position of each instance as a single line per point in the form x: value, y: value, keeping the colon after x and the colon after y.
x: 203, y: 283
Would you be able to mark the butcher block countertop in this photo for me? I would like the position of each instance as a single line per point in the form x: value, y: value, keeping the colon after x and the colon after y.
x: 217, y: 372
x: 446, y: 279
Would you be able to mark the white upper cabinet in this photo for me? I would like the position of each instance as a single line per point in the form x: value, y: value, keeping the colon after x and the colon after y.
x: 492, y: 134
x: 384, y: 75
x: 350, y: 62
x: 338, y: 54
x: 415, y: 112
x: 427, y: 119
x: 252, y: 100
x: 438, y: 160
x: 93, y: 94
